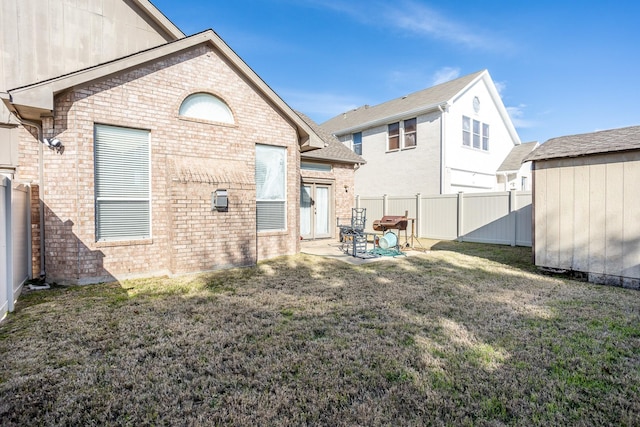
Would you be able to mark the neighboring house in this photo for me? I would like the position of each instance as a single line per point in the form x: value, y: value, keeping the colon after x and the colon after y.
x: 168, y: 159
x: 327, y: 188
x: 587, y: 205
x: 514, y: 173
x: 449, y: 138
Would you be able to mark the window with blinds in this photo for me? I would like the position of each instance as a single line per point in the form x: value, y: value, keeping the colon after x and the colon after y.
x: 122, y: 183
x: 270, y: 188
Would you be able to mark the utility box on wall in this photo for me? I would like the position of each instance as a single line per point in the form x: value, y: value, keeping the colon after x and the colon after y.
x: 220, y: 200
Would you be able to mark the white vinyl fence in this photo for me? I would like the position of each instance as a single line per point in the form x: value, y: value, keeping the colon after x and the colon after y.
x: 499, y: 218
x: 15, y: 238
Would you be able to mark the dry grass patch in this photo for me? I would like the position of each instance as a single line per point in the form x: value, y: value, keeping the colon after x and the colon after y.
x: 465, y: 335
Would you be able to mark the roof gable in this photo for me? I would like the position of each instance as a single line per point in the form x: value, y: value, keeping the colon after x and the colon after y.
x: 435, y: 98
x: 333, y: 150
x: 66, y: 36
x: 33, y: 100
x: 612, y: 140
x: 515, y: 158
x: 421, y: 101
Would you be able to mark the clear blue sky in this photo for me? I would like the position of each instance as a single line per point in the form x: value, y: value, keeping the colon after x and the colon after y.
x: 562, y: 67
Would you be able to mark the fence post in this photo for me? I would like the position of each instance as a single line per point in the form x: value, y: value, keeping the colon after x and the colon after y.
x: 514, y: 216
x: 460, y: 216
x: 385, y: 204
x: 418, y: 213
x: 9, y: 242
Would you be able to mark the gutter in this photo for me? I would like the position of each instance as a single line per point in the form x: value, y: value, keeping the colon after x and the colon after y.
x: 443, y: 111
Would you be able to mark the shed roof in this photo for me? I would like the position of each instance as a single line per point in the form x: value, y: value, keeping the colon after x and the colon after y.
x: 421, y: 100
x: 333, y: 150
x: 621, y: 139
x: 514, y: 159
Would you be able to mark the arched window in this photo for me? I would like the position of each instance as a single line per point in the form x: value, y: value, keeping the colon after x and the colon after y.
x: 206, y: 107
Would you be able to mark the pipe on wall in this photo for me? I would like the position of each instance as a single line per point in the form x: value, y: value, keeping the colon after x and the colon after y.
x: 38, y: 128
x: 443, y: 111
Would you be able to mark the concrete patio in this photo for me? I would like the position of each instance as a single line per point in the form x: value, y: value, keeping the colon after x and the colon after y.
x: 330, y: 248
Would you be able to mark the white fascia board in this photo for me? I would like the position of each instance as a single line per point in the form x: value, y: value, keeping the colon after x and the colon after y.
x: 496, y: 100
x: 160, y: 19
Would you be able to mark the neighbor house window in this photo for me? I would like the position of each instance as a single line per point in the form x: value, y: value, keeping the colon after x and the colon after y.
x: 122, y: 183
x: 394, y: 136
x: 478, y: 135
x: 466, y: 131
x: 357, y: 143
x: 205, y: 106
x: 270, y: 187
x: 523, y: 183
x: 405, y: 131
x: 485, y: 137
x: 409, y: 130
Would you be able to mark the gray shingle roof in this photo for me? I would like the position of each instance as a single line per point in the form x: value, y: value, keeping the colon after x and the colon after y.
x: 334, y: 150
x: 605, y: 141
x: 514, y: 160
x: 430, y: 97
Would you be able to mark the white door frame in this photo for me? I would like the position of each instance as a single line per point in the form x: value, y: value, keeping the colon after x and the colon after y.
x: 313, y: 184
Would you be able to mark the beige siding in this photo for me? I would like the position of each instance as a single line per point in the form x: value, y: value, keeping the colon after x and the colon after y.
x: 587, y: 215
x: 565, y: 230
x: 540, y: 217
x: 631, y: 219
x: 579, y: 252
x: 40, y: 39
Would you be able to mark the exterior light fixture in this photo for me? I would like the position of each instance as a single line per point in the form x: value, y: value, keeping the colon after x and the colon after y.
x: 220, y: 200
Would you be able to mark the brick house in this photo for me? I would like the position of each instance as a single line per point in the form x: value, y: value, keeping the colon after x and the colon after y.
x: 128, y: 156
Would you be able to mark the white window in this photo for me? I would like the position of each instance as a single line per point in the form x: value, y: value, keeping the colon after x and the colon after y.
x: 205, y: 106
x: 485, y: 137
x: 479, y: 135
x: 394, y: 136
x: 270, y: 187
x: 405, y: 132
x: 476, y: 134
x: 357, y: 143
x: 122, y: 183
x: 466, y: 131
x: 410, y: 133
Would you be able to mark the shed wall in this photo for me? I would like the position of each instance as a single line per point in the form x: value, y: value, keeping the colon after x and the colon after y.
x: 587, y: 216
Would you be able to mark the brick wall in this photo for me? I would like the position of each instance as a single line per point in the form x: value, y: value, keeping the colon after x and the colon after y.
x: 189, y: 160
x: 341, y: 176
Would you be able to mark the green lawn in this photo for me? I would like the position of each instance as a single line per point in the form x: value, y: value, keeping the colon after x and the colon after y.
x: 463, y: 335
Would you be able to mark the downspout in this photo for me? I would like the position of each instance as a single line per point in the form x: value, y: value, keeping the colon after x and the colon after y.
x: 38, y: 128
x: 443, y: 110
